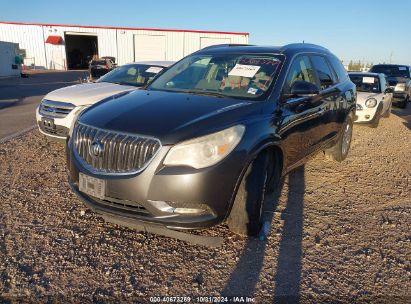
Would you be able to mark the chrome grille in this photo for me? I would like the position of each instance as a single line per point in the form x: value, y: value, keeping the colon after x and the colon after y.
x: 109, y: 152
x: 55, y: 109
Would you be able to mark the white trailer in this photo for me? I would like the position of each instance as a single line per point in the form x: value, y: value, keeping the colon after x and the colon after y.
x: 8, y: 65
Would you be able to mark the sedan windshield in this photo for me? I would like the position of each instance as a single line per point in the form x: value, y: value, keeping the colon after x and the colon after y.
x: 228, y: 75
x: 132, y: 74
x: 366, y: 83
x: 391, y: 70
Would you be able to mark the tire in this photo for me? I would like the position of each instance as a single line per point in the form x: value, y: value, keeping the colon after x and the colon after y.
x: 247, y: 212
x: 340, y: 150
x: 403, y: 104
x: 388, y: 112
x: 376, y: 121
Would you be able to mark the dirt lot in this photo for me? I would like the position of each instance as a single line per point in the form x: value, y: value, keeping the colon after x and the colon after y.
x: 340, y: 231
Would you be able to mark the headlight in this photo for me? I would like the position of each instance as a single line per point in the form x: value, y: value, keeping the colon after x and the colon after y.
x: 205, y: 151
x: 76, y: 115
x: 371, y: 103
x: 400, y: 87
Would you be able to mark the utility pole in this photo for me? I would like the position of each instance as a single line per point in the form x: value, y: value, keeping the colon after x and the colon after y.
x: 391, y: 57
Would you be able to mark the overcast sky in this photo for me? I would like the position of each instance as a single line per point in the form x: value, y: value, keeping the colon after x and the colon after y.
x: 371, y: 31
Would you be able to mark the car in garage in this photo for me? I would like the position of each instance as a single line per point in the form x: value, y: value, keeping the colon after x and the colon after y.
x: 59, y: 109
x: 210, y: 137
x: 399, y: 78
x: 374, y: 97
x: 100, y: 66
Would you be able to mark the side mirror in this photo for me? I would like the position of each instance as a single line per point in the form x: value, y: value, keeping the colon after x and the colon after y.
x: 389, y: 90
x: 304, y: 88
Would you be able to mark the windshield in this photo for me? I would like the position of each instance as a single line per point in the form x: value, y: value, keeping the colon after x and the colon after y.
x: 391, y: 71
x: 366, y: 83
x: 133, y: 74
x: 98, y: 62
x: 228, y: 75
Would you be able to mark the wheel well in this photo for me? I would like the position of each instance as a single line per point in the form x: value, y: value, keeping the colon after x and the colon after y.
x: 276, y: 161
x: 276, y: 155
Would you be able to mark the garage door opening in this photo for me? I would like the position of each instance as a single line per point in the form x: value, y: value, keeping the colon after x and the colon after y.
x: 80, y: 49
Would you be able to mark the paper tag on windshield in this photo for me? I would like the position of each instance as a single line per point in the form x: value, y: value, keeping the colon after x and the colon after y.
x: 402, y: 68
x: 154, y: 70
x: 368, y: 80
x: 252, y: 91
x: 244, y: 70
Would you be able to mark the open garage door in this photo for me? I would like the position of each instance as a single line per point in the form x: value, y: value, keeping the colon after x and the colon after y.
x: 149, y: 47
x: 206, y: 41
x: 80, y: 49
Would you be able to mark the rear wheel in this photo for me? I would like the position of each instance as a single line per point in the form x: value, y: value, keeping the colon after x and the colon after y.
x: 247, y: 212
x: 340, y: 151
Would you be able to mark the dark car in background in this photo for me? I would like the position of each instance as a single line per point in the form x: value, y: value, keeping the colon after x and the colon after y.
x: 100, y: 67
x: 211, y: 136
x: 399, y: 78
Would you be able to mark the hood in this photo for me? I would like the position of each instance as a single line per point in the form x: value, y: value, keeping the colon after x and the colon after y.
x: 87, y: 93
x: 392, y: 81
x: 170, y: 117
x: 363, y: 96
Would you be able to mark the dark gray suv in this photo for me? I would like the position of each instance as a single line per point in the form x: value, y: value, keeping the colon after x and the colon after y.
x: 399, y: 79
x: 207, y: 139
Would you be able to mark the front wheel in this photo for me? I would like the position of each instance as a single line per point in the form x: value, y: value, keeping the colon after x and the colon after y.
x: 376, y: 120
x: 403, y: 103
x: 246, y: 214
x: 340, y: 150
x: 388, y: 112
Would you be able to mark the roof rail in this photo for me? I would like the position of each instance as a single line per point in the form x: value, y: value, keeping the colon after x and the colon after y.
x: 225, y: 45
x: 303, y: 44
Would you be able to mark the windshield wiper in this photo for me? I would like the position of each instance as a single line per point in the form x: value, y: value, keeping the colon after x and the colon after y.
x: 206, y: 93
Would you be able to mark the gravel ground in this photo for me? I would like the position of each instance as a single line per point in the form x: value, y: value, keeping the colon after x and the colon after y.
x: 341, y: 231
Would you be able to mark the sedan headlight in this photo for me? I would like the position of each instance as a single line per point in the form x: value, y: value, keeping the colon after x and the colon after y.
x: 205, y: 151
x: 400, y: 87
x: 371, y: 103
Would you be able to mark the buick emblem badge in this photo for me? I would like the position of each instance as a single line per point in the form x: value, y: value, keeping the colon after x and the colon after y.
x: 96, y: 149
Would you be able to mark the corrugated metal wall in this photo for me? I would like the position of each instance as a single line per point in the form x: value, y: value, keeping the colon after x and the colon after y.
x: 8, y: 52
x: 118, y: 43
x: 29, y: 37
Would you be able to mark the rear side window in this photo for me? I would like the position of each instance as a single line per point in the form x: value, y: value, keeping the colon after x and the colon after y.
x: 300, y: 69
x: 338, y: 68
x: 324, y: 73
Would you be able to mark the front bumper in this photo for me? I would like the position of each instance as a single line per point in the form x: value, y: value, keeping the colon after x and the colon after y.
x: 365, y: 115
x: 61, y: 125
x: 399, y: 97
x: 142, y: 197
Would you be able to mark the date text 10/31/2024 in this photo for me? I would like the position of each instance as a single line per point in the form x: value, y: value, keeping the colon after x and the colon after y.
x: 201, y: 299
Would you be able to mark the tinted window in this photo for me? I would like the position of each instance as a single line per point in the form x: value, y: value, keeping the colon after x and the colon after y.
x: 98, y: 62
x: 323, y: 71
x: 391, y: 70
x: 135, y: 74
x: 300, y: 69
x: 231, y: 75
x: 338, y: 68
x: 366, y: 83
